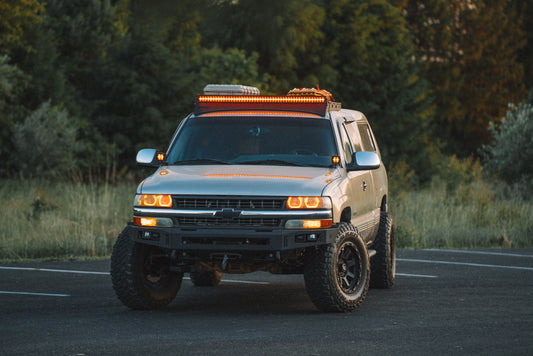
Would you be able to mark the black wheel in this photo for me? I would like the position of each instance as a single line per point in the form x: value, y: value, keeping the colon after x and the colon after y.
x: 206, y: 278
x: 337, y: 275
x: 141, y: 276
x: 383, y: 264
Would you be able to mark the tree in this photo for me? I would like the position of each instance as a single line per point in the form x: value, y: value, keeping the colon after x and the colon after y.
x: 510, y: 154
x: 286, y: 35
x: 376, y: 75
x: 468, y: 50
x: 46, y: 142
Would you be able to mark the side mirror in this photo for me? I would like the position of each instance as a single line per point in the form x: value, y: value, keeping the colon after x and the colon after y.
x: 363, y: 161
x: 150, y: 157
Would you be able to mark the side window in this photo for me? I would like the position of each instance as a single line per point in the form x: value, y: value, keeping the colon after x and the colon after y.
x: 353, y: 136
x: 346, y: 144
x: 366, y: 138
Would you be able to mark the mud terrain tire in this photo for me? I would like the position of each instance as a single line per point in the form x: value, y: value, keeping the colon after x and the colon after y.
x: 337, y: 275
x: 384, y: 262
x: 140, y: 275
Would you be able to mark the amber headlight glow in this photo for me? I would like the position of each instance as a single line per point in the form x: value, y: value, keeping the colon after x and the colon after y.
x: 151, y: 200
x: 308, y: 203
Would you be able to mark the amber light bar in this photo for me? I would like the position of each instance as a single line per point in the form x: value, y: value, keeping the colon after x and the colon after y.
x: 300, y: 103
x: 260, y: 99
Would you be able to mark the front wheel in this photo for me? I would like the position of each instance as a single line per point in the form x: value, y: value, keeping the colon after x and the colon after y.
x: 337, y: 275
x: 141, y: 275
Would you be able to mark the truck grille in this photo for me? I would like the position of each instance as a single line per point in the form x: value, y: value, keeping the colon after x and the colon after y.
x: 238, y: 222
x: 228, y: 203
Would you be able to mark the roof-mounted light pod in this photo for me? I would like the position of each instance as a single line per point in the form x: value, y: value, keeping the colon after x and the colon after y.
x: 230, y: 89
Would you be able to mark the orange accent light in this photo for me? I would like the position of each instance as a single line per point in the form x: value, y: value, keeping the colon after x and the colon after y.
x: 160, y: 157
x: 262, y: 113
x: 163, y: 173
x: 161, y: 201
x: 295, y: 202
x: 251, y: 176
x: 312, y: 202
x: 317, y: 224
x: 335, y: 159
x: 145, y: 221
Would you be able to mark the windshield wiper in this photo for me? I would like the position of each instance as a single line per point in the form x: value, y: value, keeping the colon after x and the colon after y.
x: 201, y: 161
x: 276, y: 162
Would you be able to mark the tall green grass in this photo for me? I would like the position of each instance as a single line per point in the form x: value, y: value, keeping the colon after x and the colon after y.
x: 473, y: 215
x: 40, y: 219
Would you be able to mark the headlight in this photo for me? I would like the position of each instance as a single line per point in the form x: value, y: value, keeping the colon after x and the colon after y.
x: 152, y: 200
x: 308, y: 203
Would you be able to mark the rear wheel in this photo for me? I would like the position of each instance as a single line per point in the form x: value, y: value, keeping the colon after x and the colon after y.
x: 384, y: 262
x: 337, y: 275
x: 206, y: 278
x: 141, y: 275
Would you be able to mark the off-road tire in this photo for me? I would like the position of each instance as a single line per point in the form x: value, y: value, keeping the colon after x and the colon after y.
x: 383, y: 264
x: 337, y: 275
x: 140, y: 275
x: 205, y: 278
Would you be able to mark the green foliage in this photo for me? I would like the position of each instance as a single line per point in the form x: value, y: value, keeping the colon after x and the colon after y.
x: 376, y: 75
x: 286, y: 34
x: 510, y: 154
x: 469, y: 55
x: 46, y: 142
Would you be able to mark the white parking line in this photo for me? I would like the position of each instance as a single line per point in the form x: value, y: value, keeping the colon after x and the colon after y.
x: 37, y: 294
x: 237, y: 281
x: 106, y: 273
x: 479, y: 252
x: 465, y: 264
x: 52, y: 270
x: 416, y: 275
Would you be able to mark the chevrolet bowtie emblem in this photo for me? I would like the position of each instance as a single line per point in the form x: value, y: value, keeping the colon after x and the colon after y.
x: 228, y: 213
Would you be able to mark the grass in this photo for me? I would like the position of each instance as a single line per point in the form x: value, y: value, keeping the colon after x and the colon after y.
x: 42, y: 219
x: 61, y: 220
x: 476, y: 215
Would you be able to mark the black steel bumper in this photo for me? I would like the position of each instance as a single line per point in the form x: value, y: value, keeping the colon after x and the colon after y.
x: 231, y: 239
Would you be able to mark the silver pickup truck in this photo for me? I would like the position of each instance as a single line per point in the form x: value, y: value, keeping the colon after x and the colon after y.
x: 284, y: 184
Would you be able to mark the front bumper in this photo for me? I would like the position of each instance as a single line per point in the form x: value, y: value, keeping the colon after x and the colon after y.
x: 231, y: 239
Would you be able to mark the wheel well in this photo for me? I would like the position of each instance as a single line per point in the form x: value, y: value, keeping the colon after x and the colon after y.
x: 346, y: 215
x: 384, y: 203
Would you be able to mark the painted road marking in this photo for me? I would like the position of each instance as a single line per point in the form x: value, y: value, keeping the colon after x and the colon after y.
x: 236, y: 281
x: 479, y: 252
x: 37, y: 294
x: 416, y: 275
x: 105, y: 273
x: 52, y: 270
x: 465, y: 264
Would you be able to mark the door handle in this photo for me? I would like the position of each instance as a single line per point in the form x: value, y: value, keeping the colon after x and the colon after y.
x: 364, y: 186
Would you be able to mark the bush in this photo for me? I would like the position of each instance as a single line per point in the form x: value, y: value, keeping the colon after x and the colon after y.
x: 511, y: 153
x: 46, y: 142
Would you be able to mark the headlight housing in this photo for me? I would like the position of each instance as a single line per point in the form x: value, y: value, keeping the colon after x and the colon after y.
x: 154, y: 200
x: 299, y: 202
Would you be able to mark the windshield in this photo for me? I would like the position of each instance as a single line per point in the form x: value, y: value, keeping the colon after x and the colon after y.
x: 254, y: 140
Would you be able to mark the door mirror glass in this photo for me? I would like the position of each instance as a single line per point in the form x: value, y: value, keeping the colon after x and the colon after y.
x: 363, y: 161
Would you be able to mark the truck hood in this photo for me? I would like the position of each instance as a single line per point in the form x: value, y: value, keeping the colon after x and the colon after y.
x: 244, y: 180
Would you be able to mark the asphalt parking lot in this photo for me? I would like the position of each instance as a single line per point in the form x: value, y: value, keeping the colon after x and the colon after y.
x: 444, y: 302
